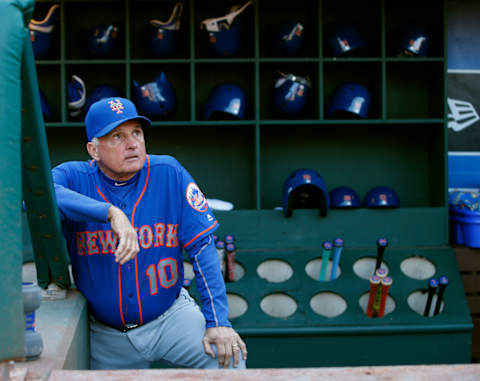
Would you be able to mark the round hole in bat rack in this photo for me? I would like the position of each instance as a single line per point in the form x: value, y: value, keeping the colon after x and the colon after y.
x: 188, y: 270
x: 278, y: 305
x: 417, y: 267
x: 328, y: 304
x: 389, y: 304
x: 314, y: 270
x: 365, y: 267
x: 237, y: 305
x: 238, y: 272
x: 275, y: 270
x: 418, y: 299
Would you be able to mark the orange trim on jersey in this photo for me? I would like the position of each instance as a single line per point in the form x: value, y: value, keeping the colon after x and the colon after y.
x: 143, y: 191
x: 101, y: 194
x: 120, y: 293
x: 199, y: 234
x: 119, y: 274
x: 138, y: 292
x: 133, y: 222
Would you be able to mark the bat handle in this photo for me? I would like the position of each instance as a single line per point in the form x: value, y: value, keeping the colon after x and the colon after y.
x: 382, y: 243
x: 326, y: 250
x: 337, y: 252
x: 442, y: 285
x: 432, y: 287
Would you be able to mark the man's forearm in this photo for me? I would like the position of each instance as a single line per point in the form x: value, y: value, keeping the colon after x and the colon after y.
x: 210, y: 283
x: 77, y: 207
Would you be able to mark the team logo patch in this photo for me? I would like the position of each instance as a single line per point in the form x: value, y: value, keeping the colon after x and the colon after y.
x: 195, y: 198
x: 116, y: 106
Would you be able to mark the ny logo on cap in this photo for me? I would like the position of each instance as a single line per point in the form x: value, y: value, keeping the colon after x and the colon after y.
x: 116, y: 106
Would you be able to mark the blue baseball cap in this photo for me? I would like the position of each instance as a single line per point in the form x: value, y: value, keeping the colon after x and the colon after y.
x: 108, y: 113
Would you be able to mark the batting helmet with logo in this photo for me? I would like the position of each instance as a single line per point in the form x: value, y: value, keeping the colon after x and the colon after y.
x: 344, y: 197
x: 305, y: 189
x: 381, y: 197
x: 225, y: 101
x: 41, y: 33
x: 350, y: 100
x: 291, y: 94
x: 164, y: 34
x: 103, y: 41
x: 155, y: 99
x: 225, y: 33
x: 289, y: 38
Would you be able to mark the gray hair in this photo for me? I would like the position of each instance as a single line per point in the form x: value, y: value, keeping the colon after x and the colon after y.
x: 95, y: 141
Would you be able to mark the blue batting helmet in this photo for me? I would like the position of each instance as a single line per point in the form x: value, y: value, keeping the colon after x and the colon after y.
x: 290, y: 39
x: 344, y: 197
x: 77, y: 96
x: 225, y: 101
x: 345, y: 40
x: 349, y: 100
x: 305, y: 189
x: 100, y: 92
x: 415, y: 41
x: 381, y: 197
x: 46, y: 109
x: 103, y: 41
x: 225, y: 32
x: 155, y: 99
x: 291, y: 94
x: 164, y: 34
x: 41, y: 33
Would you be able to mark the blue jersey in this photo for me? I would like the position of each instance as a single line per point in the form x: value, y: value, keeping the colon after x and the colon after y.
x: 169, y: 213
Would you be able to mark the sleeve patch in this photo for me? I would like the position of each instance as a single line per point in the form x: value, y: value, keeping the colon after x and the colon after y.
x: 195, y: 198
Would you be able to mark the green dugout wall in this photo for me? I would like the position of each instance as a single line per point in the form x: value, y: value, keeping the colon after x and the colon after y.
x: 25, y: 176
x: 13, y: 15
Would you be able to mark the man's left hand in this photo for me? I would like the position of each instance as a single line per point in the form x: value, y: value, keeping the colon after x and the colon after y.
x: 228, y: 343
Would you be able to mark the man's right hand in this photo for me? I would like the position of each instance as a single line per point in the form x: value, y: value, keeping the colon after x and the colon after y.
x: 127, y: 247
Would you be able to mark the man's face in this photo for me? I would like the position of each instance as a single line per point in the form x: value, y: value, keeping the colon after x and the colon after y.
x: 121, y: 153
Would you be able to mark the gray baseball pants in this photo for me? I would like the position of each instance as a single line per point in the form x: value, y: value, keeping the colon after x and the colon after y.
x: 174, y: 337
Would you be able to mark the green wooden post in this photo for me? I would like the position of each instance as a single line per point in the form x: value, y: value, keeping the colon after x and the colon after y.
x: 14, y: 15
x: 43, y: 216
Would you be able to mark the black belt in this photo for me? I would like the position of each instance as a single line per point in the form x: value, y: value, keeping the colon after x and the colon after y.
x: 128, y: 327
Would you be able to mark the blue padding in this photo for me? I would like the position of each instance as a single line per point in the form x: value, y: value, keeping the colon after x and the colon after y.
x: 464, y: 170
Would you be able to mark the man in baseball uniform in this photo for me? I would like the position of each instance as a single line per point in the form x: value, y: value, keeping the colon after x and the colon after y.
x: 127, y: 216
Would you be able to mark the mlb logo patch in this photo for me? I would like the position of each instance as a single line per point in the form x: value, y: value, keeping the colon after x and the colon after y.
x: 307, y: 178
x: 116, y: 106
